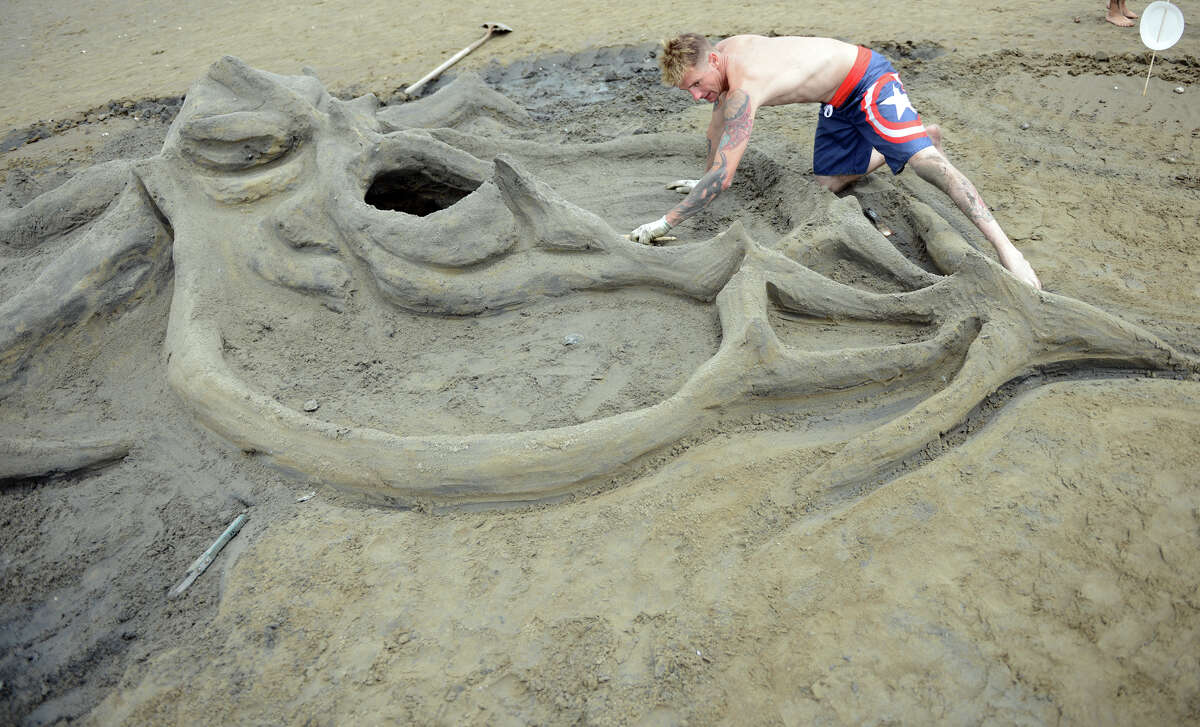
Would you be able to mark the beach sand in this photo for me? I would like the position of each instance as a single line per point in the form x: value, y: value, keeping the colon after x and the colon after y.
x: 1039, y: 568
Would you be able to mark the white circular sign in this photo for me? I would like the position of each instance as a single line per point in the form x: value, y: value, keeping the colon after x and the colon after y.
x: 1161, y: 26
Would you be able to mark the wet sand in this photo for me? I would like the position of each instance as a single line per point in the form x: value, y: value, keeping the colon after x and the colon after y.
x: 1036, y: 568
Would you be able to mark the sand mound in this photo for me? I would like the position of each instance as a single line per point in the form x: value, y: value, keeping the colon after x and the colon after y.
x: 788, y: 468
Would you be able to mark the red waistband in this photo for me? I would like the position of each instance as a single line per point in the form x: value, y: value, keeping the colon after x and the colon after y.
x: 852, y: 78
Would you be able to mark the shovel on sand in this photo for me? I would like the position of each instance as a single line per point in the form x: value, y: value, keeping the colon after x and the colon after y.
x: 492, y: 29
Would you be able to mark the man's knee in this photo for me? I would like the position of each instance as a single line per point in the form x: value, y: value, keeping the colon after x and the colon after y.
x: 836, y: 184
x: 930, y: 165
x: 929, y: 154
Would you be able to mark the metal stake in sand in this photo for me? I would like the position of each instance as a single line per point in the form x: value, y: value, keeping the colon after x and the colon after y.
x: 492, y: 29
x: 1161, y: 28
x: 201, y: 564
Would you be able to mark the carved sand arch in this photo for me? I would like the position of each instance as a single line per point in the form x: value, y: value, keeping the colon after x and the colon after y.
x: 267, y: 183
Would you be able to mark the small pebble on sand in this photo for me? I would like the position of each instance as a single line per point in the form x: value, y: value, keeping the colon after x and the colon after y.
x: 311, y: 405
x: 1179, y: 89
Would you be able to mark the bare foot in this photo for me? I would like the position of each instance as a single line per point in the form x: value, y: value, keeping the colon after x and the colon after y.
x: 1118, y: 18
x: 1127, y: 12
x: 1015, y: 263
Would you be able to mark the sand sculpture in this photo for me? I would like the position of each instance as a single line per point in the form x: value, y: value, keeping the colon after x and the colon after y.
x: 267, y: 183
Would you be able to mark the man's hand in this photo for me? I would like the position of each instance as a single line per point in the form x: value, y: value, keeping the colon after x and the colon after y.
x: 651, y: 230
x: 683, y: 186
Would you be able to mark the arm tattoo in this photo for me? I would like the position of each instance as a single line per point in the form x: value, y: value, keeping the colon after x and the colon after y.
x: 738, y: 119
x: 705, y: 191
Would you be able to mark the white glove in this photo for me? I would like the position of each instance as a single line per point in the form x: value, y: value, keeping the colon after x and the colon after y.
x: 683, y: 186
x: 651, y: 230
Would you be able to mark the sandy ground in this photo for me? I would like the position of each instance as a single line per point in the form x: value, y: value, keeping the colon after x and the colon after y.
x: 62, y: 58
x: 1040, y: 570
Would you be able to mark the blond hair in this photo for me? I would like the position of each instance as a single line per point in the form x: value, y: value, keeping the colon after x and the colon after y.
x: 681, y: 54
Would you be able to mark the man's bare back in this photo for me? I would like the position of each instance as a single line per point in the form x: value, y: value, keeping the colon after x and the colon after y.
x: 787, y: 70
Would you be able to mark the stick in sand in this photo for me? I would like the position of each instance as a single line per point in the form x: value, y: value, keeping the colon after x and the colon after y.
x: 1154, y: 53
x: 667, y: 238
x: 201, y: 564
x: 1158, y: 42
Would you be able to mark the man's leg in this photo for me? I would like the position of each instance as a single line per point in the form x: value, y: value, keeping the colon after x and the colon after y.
x: 839, y: 182
x: 932, y: 166
x: 1118, y: 14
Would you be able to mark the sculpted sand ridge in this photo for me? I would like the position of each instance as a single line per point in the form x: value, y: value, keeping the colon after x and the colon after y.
x: 781, y: 562
x: 271, y: 194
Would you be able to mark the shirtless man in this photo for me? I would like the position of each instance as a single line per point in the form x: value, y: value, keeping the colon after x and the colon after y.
x: 865, y: 120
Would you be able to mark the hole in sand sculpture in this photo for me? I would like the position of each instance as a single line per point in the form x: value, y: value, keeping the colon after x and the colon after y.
x: 417, y: 191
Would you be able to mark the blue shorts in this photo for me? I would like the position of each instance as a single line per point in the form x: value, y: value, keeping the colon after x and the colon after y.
x: 870, y: 110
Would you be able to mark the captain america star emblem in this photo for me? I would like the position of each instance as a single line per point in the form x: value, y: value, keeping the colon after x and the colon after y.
x: 889, y: 111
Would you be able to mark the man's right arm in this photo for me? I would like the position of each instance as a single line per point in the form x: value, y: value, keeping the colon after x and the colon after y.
x: 737, y: 112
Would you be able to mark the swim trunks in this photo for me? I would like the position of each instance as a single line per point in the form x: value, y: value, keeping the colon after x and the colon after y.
x: 870, y: 110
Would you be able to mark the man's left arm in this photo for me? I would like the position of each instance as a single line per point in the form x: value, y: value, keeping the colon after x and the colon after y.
x: 737, y: 110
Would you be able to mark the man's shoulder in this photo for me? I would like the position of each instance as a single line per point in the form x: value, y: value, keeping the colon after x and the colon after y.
x: 734, y: 42
x: 752, y: 39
